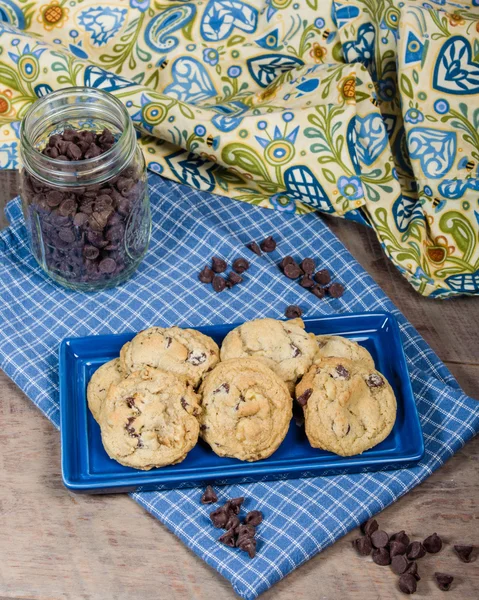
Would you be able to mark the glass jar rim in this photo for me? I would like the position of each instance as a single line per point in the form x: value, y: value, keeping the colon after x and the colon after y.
x: 93, y: 170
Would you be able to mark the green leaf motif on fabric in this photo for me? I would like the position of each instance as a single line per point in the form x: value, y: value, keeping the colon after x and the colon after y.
x: 406, y: 86
x: 456, y: 224
x: 245, y: 158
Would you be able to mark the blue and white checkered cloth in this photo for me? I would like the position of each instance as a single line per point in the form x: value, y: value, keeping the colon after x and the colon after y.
x: 302, y: 517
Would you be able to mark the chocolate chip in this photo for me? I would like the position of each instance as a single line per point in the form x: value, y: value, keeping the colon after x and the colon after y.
x: 69, y: 135
x: 293, y: 311
x: 130, y: 402
x: 219, y: 517
x: 233, y: 522
x: 374, y: 380
x: 306, y: 282
x: 129, y: 428
x: 184, y: 403
x: 240, y: 265
x: 107, y: 266
x: 92, y: 152
x: 268, y: 245
x: 124, y: 185
x: 219, y: 283
x: 218, y: 264
x: 246, y: 530
x: 63, y: 157
x: 254, y: 517
x: 54, y: 139
x: 308, y: 266
x: 412, y: 570
x: 224, y: 387
x: 397, y: 548
x: 363, y: 546
x: 342, y: 372
x: 399, y: 564
x: 432, y: 544
x: 253, y: 246
x: 51, y: 152
x: 415, y: 550
x: 335, y: 290
x: 80, y: 219
x: 318, y: 292
x: 407, y: 584
x: 292, y: 270
x: 381, y: 557
x: 443, y: 581
x: 196, y: 359
x: 465, y: 553
x: 370, y: 527
x: 248, y: 545
x: 67, y: 208
x: 106, y: 137
x: 305, y: 396
x: 287, y: 260
x: 379, y: 539
x: 206, y: 275
x: 323, y: 277
x: 228, y: 538
x: 295, y: 351
x: 209, y: 496
x: 234, y: 505
x: 74, y: 152
x: 66, y: 234
x: 234, y: 278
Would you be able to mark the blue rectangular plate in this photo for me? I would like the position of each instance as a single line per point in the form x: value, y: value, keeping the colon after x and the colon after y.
x: 87, y: 468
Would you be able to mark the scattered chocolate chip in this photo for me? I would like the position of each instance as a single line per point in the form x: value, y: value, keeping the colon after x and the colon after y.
x: 234, y: 505
x: 399, y: 564
x: 379, y: 539
x: 254, y: 517
x: 363, y: 545
x: 412, y: 570
x: 253, y: 246
x: 335, y: 290
x: 233, y: 522
x: 407, y: 584
x: 248, y: 545
x: 308, y: 266
x: 268, y: 245
x: 305, y: 396
x: 306, y: 282
x: 342, y: 372
x: 443, y: 581
x: 415, y: 550
x: 218, y: 264
x: 246, y: 530
x: 292, y: 270
x: 293, y: 312
x: 318, y: 292
x: 240, y: 265
x: 219, y: 517
x: 374, y: 381
x: 209, y: 496
x: 206, y: 275
x: 432, y: 544
x: 397, y: 548
x: 323, y: 277
x: 287, y: 260
x: 228, y: 538
x: 234, y: 278
x: 369, y: 527
x: 381, y: 557
x: 465, y: 553
x: 219, y: 283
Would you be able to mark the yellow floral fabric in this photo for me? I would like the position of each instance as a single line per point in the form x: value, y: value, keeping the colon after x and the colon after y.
x: 366, y: 109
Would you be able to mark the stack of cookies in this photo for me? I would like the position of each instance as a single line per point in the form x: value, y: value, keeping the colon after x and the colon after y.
x: 172, y: 385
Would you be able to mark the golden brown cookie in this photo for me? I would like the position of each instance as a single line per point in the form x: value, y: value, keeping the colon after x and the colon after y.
x: 335, y: 346
x: 246, y: 409
x: 150, y: 420
x: 185, y: 352
x: 284, y: 346
x: 100, y: 383
x: 348, y: 408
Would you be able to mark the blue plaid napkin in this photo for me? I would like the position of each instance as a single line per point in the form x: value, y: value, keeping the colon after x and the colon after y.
x: 302, y: 517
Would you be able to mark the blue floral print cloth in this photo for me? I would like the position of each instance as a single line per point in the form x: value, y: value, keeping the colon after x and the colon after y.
x: 365, y: 109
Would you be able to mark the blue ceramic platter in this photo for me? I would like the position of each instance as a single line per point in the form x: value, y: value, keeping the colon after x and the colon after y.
x: 87, y: 468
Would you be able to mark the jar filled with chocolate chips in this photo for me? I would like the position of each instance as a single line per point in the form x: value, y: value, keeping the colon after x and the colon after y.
x: 84, y: 189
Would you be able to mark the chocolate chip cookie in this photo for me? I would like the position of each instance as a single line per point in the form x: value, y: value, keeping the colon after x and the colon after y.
x: 284, y: 346
x: 100, y: 383
x: 348, y: 408
x: 335, y: 346
x: 185, y: 352
x: 150, y: 420
x: 246, y: 409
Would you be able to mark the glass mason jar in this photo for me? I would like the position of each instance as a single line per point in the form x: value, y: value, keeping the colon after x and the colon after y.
x: 87, y: 211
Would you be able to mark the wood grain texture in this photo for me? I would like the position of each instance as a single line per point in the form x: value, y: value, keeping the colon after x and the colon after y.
x: 58, y: 546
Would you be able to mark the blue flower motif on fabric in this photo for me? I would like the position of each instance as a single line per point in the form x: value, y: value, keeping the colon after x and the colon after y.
x: 102, y: 23
x: 12, y: 14
x: 456, y: 72
x: 283, y: 203
x: 229, y: 117
x: 352, y: 142
x: 192, y: 170
x: 452, y: 189
x: 158, y: 31
x: 302, y: 185
x: 104, y: 80
x: 435, y: 150
x: 413, y: 115
x: 387, y: 89
x: 264, y: 69
x: 441, y: 106
x: 141, y: 5
x: 155, y: 167
x: 221, y: 17
x: 350, y: 187
x: 211, y: 56
x: 371, y: 138
x: 42, y: 89
x: 362, y: 48
x: 342, y: 14
x: 191, y: 82
x: 270, y: 41
x: 9, y: 155
x: 406, y: 210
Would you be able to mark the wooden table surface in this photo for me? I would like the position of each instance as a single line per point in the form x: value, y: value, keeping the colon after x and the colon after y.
x: 55, y: 545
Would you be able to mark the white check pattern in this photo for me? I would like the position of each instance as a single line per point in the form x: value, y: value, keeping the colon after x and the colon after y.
x: 302, y: 517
